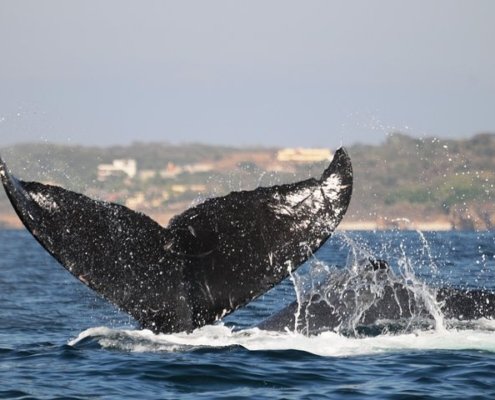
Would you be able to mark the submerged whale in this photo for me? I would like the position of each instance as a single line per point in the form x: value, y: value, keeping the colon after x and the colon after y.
x: 370, y: 298
x: 209, y: 260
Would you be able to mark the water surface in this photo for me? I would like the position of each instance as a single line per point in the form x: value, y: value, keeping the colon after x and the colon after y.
x: 59, y: 340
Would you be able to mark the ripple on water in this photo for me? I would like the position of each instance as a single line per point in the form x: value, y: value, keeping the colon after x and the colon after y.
x: 47, y: 352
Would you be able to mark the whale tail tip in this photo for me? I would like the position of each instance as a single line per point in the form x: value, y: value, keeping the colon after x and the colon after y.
x: 341, y: 165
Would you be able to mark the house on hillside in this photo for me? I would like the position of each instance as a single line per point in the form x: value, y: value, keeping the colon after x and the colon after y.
x: 171, y: 171
x: 117, y: 168
x: 304, y: 155
x: 198, y: 168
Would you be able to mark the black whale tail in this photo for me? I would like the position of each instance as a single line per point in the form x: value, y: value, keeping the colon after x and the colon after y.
x: 210, y: 260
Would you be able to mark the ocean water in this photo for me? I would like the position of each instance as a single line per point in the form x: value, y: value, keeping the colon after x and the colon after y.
x: 60, y: 340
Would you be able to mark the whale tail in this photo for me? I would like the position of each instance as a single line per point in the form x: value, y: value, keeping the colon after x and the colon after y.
x: 210, y: 260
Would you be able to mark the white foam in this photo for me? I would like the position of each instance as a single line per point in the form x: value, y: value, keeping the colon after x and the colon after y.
x: 329, y: 344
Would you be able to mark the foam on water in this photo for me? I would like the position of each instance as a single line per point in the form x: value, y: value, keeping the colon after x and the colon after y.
x: 479, y: 336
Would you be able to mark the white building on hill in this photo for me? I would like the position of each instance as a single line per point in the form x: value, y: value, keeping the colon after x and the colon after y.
x: 304, y: 155
x: 128, y: 167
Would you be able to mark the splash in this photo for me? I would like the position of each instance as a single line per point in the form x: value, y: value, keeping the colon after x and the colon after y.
x: 417, y: 325
x: 356, y: 289
x: 367, y: 296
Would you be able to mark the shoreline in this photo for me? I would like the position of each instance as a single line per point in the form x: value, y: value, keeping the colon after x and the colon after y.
x: 436, y: 226
x: 11, y: 221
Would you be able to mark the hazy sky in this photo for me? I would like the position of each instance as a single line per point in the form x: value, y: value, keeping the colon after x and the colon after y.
x: 284, y: 73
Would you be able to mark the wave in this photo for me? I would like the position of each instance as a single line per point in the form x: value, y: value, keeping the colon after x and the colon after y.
x: 476, y: 335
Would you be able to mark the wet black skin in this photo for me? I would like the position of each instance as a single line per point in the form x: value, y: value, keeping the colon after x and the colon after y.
x: 336, y: 304
x: 210, y: 260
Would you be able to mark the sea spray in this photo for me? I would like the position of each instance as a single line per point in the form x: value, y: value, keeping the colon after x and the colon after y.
x: 360, y: 298
x: 423, y: 294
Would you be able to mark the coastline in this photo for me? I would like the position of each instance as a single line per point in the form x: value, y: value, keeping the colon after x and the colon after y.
x: 426, y: 226
x: 9, y: 220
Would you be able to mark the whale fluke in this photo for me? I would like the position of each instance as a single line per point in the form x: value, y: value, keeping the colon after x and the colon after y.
x: 210, y: 260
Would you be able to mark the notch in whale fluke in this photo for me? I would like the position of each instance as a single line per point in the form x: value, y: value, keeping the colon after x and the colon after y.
x: 210, y: 260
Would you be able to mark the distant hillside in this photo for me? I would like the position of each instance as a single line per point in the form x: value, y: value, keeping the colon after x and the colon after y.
x: 428, y: 178
x: 447, y: 181
x: 75, y: 166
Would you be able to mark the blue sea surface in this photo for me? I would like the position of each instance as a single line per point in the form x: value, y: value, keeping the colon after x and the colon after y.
x: 58, y: 339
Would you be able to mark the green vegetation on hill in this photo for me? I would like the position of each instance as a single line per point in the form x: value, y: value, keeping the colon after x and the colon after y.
x: 403, y: 177
x: 430, y: 170
x: 76, y: 166
x: 428, y: 176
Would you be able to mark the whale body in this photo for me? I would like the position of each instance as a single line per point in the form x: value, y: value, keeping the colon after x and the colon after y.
x: 209, y: 260
x: 372, y: 299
